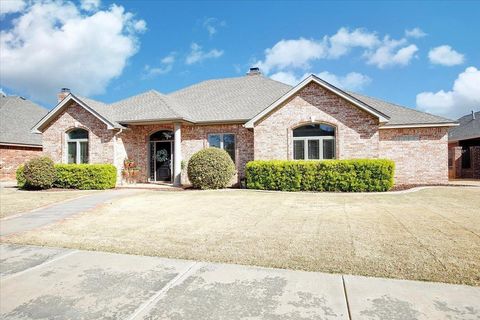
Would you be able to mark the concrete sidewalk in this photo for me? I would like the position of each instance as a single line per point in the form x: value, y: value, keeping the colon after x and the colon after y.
x: 55, y: 212
x: 52, y: 283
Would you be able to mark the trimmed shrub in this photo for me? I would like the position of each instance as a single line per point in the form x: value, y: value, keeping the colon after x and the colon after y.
x: 210, y: 168
x: 357, y: 175
x: 39, y: 173
x: 20, y: 175
x: 86, y: 176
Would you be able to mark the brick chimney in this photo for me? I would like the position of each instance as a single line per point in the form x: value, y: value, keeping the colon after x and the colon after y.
x: 62, y: 94
x: 254, y: 71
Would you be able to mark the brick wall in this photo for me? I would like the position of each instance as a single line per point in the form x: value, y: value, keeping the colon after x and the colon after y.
x: 12, y: 156
x: 356, y: 130
x: 100, y: 146
x: 133, y: 143
x: 194, y: 138
x: 420, y: 154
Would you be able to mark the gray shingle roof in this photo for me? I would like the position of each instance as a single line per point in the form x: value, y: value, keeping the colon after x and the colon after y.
x: 228, y: 99
x: 469, y: 128
x: 232, y: 99
x: 17, y: 117
x: 399, y: 115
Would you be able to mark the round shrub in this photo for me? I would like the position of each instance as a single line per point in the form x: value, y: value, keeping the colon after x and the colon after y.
x: 39, y: 173
x: 210, y: 168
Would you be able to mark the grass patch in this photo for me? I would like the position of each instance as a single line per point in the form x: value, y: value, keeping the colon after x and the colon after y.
x: 432, y: 234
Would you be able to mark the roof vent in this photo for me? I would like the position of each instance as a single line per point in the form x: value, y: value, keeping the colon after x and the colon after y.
x: 473, y: 115
x: 62, y: 94
x: 254, y: 71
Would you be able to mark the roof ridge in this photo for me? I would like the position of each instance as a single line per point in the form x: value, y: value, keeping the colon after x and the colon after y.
x: 165, y: 98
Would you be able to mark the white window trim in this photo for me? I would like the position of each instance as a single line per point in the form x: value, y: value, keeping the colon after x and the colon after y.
x: 305, y: 146
x: 77, y: 146
x: 221, y: 141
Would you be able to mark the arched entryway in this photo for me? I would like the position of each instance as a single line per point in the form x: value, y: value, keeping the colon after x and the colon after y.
x: 161, y: 156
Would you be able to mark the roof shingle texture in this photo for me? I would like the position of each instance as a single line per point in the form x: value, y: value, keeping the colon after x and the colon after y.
x: 469, y: 128
x: 232, y: 99
x: 17, y: 117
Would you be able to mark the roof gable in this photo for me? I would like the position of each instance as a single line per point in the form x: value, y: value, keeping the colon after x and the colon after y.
x: 312, y: 78
x: 63, y: 104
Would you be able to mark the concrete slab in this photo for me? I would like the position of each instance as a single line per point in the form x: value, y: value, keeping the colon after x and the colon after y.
x: 86, y: 285
x: 219, y: 291
x: 14, y: 258
x: 376, y: 298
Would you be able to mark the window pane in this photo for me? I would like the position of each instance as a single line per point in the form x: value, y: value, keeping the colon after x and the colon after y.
x: 298, y: 149
x: 214, y: 140
x: 314, y: 130
x: 327, y: 130
x: 329, y: 149
x: 313, y: 149
x: 161, y: 135
x: 72, y: 152
x: 229, y: 145
x: 83, y: 152
x: 78, y: 134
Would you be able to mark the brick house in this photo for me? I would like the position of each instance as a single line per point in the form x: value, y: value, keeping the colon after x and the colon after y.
x: 251, y: 117
x: 464, y: 148
x: 17, y: 143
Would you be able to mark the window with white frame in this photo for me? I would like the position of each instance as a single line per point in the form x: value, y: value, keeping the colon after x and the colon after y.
x: 225, y: 141
x: 77, y: 146
x: 314, y: 142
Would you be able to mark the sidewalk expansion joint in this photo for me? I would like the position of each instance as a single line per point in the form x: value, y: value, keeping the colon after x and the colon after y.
x: 60, y: 257
x: 346, y: 297
x: 147, y: 305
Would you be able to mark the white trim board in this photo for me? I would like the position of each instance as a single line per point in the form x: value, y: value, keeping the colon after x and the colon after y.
x: 382, y: 118
x: 61, y: 105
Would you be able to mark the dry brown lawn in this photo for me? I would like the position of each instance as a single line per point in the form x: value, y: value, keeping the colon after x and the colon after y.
x: 13, y: 201
x: 432, y: 234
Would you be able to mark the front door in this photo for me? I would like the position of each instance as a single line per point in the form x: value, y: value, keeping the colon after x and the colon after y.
x: 163, y: 161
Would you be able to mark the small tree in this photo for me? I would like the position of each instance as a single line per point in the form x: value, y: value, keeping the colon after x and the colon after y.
x: 39, y: 173
x: 210, y: 168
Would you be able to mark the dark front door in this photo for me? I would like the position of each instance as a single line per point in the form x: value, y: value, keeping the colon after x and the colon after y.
x: 163, y: 160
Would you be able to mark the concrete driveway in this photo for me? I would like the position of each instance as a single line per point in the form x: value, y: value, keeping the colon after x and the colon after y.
x: 50, y: 283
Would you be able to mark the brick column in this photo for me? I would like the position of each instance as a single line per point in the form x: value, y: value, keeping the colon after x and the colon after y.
x: 457, y: 162
x: 475, y: 158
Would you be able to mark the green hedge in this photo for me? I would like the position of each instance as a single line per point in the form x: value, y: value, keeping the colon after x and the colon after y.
x: 85, y: 176
x: 79, y: 176
x: 355, y: 175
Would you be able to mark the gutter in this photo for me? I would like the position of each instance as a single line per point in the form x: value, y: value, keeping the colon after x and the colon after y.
x: 20, y: 145
x: 420, y: 125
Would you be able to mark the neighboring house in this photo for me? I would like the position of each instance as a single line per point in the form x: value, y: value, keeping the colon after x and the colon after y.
x: 464, y: 148
x: 17, y: 143
x: 251, y: 117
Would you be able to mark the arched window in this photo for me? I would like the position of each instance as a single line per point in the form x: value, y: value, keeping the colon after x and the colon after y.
x: 314, y: 142
x: 77, y: 146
